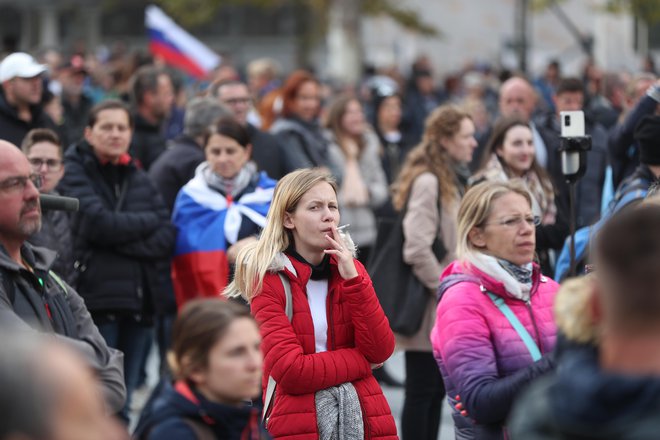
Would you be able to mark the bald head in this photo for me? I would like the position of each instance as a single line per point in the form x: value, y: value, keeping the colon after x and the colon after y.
x: 517, y: 98
x: 8, y: 148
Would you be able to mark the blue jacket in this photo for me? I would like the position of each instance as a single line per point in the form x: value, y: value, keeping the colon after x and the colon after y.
x: 175, y: 408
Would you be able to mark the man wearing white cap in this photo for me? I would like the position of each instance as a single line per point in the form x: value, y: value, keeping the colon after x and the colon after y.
x: 21, y: 89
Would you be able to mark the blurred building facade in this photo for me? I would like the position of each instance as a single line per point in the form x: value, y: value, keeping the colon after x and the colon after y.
x: 478, y: 30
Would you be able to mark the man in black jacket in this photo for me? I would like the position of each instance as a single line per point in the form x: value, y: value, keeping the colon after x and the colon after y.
x: 32, y: 297
x: 122, y: 234
x: 266, y: 149
x: 21, y: 86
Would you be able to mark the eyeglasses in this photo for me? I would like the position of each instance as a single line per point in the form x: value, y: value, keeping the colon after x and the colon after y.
x: 51, y: 164
x: 516, y: 222
x: 15, y: 184
x: 234, y: 101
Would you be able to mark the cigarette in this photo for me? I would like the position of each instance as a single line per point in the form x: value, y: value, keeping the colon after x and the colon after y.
x: 342, y: 227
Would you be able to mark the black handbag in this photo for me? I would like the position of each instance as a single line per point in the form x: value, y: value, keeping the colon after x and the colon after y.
x: 402, y: 296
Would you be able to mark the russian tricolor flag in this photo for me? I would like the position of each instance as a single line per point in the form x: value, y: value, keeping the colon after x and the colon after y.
x: 176, y: 46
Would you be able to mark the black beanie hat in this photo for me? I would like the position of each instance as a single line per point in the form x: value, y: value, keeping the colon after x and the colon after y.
x: 647, y: 135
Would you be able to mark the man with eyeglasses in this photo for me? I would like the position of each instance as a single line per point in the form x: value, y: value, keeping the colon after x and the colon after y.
x: 32, y: 296
x: 266, y: 149
x: 43, y: 149
x: 21, y: 90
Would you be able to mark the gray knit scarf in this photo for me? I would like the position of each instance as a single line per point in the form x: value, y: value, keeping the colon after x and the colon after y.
x: 338, y: 413
x: 233, y: 186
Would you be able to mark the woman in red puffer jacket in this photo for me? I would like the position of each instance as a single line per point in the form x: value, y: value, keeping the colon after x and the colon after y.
x: 323, y: 356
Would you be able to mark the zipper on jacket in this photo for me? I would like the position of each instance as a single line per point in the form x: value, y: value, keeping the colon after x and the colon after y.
x: 528, y: 304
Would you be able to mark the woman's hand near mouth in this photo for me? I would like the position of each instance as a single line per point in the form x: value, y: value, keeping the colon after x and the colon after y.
x: 343, y: 255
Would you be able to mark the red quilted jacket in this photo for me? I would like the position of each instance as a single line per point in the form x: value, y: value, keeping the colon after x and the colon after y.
x: 358, y: 335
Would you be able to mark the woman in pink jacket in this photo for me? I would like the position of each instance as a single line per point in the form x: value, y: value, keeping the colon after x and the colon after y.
x: 494, y: 328
x: 322, y: 355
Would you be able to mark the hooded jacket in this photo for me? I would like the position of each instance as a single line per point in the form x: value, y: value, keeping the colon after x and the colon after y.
x: 481, y: 356
x: 581, y: 401
x: 358, y: 336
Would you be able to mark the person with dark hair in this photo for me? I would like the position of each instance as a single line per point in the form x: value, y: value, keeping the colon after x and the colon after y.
x: 176, y: 166
x: 44, y: 151
x: 421, y: 98
x: 216, y: 363
x: 152, y: 97
x: 517, y: 98
x: 266, y: 148
x: 219, y: 211
x: 510, y: 154
x: 123, y: 236
x: 589, y: 189
x: 297, y: 128
x: 386, y: 117
x: 611, y: 387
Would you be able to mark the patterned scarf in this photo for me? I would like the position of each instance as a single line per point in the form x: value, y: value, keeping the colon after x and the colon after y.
x: 522, y: 274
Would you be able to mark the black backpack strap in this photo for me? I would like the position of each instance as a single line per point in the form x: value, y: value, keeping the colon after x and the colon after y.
x: 202, y: 430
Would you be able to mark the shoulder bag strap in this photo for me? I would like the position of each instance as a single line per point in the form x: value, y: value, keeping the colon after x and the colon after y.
x: 288, y: 309
x: 517, y: 326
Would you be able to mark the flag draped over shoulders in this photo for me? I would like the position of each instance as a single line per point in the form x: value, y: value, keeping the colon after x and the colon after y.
x: 208, y: 223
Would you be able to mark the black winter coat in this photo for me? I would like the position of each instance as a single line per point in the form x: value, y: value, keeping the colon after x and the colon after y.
x: 122, y: 233
x: 147, y: 143
x: 13, y: 129
x: 175, y: 167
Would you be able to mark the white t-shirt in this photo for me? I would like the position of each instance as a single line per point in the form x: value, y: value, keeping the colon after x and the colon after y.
x: 317, y: 294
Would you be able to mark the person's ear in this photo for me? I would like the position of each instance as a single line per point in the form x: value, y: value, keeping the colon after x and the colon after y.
x: 87, y: 134
x: 248, y: 150
x: 288, y: 221
x: 476, y: 237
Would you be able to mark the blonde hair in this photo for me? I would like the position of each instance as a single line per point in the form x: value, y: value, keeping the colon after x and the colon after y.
x: 573, y: 312
x: 476, y: 207
x: 431, y: 155
x: 254, y: 260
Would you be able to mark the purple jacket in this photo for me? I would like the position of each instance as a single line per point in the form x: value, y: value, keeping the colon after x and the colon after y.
x: 481, y: 357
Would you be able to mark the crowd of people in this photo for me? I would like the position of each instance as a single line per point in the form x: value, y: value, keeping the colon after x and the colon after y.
x: 231, y: 224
